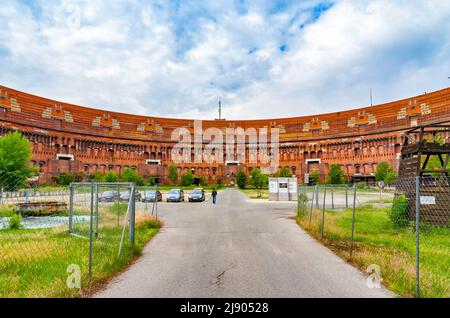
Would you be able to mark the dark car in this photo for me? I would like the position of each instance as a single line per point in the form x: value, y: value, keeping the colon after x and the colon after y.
x: 125, y: 196
x: 108, y: 196
x: 151, y: 196
x: 197, y: 195
x: 175, y: 195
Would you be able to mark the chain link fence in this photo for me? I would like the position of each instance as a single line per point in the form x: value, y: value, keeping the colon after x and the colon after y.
x: 58, y: 243
x: 402, y: 234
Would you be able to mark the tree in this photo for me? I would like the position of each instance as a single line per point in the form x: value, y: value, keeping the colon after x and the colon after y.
x: 259, y: 180
x: 241, y: 179
x: 15, y: 155
x: 131, y: 175
x: 385, y: 173
x: 187, y: 179
x: 391, y: 178
x: 314, y: 177
x: 173, y: 174
x: 336, y: 175
x: 284, y: 172
x: 65, y: 179
x: 111, y: 176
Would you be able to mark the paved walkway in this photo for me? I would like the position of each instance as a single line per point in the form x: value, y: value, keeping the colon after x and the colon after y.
x: 237, y: 249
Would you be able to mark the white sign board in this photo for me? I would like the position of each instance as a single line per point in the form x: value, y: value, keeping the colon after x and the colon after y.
x: 306, y: 178
x: 273, y: 186
x: 283, y: 185
x: 427, y: 200
x: 293, y: 185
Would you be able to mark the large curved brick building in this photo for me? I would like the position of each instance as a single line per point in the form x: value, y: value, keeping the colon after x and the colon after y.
x: 84, y: 140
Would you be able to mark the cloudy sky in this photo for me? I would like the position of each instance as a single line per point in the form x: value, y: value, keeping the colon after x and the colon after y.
x: 262, y: 58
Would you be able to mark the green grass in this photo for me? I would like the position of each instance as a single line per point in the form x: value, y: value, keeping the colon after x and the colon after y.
x: 120, y: 208
x: 256, y: 194
x: 378, y: 242
x: 6, y: 211
x: 33, y: 263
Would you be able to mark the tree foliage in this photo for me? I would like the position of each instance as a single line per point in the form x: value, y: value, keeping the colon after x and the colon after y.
x: 96, y: 176
x: 15, y: 156
x: 314, y: 177
x: 385, y: 173
x: 241, y: 179
x: 173, y: 174
x: 151, y: 181
x: 259, y: 180
x: 111, y: 176
x: 65, y: 179
x: 336, y: 175
x: 187, y: 179
x: 284, y: 172
x: 131, y: 175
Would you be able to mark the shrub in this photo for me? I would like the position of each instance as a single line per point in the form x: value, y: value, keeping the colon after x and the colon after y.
x: 131, y: 175
x: 399, y: 212
x: 151, y: 182
x: 361, y: 185
x: 65, y: 179
x: 15, y: 222
x: 6, y: 211
x: 187, y: 179
x: 96, y: 176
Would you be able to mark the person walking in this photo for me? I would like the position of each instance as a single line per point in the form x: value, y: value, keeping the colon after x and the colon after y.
x: 214, y: 196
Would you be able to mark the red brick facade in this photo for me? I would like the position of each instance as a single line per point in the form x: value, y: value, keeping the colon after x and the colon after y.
x: 84, y: 140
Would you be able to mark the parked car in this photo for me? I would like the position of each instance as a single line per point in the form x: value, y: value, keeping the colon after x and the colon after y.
x: 109, y: 196
x: 125, y: 196
x: 197, y: 195
x: 175, y: 195
x: 151, y: 196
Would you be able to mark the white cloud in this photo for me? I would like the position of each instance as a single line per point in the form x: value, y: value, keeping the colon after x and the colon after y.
x: 162, y: 60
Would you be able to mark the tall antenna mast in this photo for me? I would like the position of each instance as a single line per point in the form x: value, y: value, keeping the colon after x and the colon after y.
x: 371, y: 98
x: 220, y: 110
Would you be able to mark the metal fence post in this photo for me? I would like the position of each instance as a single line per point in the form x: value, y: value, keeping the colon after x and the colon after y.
x: 417, y: 236
x: 118, y: 205
x: 132, y: 214
x: 71, y: 192
x: 96, y: 210
x: 346, y: 196
x: 353, y: 220
x: 156, y: 204
x: 317, y: 197
x: 332, y: 197
x: 91, y: 232
x: 312, y: 205
x: 323, y: 211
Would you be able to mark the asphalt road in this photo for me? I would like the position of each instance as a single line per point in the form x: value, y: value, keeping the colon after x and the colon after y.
x: 238, y: 248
